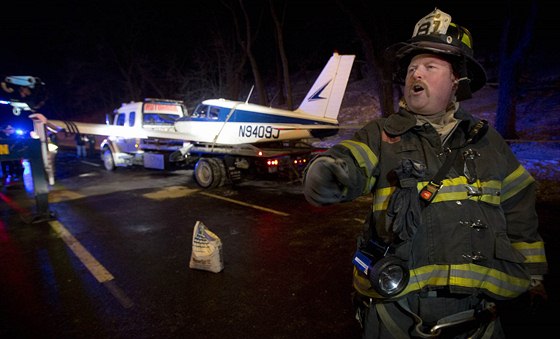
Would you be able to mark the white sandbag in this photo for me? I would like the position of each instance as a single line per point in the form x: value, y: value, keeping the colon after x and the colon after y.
x: 206, y: 250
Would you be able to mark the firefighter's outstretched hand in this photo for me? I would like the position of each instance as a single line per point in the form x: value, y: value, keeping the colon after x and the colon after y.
x: 326, y: 181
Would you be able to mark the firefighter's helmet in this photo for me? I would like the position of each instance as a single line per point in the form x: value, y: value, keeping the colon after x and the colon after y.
x: 436, y: 34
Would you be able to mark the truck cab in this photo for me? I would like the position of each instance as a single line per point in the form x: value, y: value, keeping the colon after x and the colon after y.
x: 132, y: 147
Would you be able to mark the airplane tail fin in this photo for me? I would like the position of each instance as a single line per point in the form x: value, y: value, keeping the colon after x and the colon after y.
x: 325, y: 96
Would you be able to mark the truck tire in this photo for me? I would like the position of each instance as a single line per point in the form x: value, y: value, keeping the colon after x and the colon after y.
x: 207, y: 173
x: 221, y: 167
x: 108, y: 160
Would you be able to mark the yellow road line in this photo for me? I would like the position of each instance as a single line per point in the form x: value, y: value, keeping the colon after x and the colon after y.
x: 98, y: 271
x: 245, y: 204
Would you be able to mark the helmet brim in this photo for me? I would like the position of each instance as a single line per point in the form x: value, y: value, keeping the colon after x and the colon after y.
x: 401, y: 53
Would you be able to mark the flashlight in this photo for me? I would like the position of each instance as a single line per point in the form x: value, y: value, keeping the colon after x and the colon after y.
x: 387, y: 273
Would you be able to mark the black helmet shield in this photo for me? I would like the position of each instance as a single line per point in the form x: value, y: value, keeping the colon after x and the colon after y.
x: 436, y: 34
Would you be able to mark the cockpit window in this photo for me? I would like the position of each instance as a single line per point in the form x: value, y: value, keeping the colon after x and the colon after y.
x: 214, y: 113
x: 200, y: 111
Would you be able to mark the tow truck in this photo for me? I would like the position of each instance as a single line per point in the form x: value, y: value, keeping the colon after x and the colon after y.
x: 131, y: 147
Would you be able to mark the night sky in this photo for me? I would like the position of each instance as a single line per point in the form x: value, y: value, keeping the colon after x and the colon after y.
x: 43, y: 38
x: 37, y: 33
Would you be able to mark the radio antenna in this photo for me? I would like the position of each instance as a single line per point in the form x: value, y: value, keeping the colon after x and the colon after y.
x: 249, y: 96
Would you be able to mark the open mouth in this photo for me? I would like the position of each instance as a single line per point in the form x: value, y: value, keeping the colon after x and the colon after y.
x: 417, y: 88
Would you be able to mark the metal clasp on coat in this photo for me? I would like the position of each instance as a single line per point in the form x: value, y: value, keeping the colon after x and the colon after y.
x: 469, y: 168
x: 473, y: 192
x: 477, y: 225
x: 475, y: 256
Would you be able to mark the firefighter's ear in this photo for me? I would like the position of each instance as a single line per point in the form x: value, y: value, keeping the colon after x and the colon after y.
x: 455, y: 84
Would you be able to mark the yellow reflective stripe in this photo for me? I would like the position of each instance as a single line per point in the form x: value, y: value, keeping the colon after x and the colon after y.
x: 363, y: 155
x: 468, y: 276
x: 363, y: 286
x: 528, y: 245
x: 456, y: 189
x: 463, y: 34
x: 452, y: 190
x: 366, y: 159
x: 491, y: 192
x: 515, y: 182
x: 381, y: 198
x: 535, y: 259
x: 466, y: 39
x: 534, y: 252
x: 465, y: 275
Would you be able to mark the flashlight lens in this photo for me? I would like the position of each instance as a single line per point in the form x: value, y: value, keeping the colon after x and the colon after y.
x: 391, y: 278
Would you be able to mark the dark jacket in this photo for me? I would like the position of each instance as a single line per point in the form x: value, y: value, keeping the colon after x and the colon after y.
x: 80, y: 139
x: 478, y: 235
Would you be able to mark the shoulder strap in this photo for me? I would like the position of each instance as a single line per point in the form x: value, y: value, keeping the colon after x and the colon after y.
x: 430, y: 190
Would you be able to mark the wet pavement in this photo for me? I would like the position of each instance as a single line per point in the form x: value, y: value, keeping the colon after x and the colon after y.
x: 113, y: 260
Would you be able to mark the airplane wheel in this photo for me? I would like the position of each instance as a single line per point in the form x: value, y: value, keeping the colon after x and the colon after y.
x: 207, y: 173
x: 108, y: 160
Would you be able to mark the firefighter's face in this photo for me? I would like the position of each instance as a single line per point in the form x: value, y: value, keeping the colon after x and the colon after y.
x: 430, y: 84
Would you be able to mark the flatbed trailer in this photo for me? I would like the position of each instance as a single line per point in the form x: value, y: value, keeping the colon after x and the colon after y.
x: 216, y: 165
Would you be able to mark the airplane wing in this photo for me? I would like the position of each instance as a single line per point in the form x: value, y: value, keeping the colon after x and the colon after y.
x: 128, y: 132
x: 113, y: 130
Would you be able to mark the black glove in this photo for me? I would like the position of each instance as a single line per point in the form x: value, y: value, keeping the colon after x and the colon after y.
x: 403, y: 211
x: 325, y: 181
x: 538, y: 295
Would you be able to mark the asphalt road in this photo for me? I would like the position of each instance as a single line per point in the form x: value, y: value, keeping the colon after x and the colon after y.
x: 114, y: 260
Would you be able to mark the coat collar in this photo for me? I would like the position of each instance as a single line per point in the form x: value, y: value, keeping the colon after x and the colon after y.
x: 403, y: 120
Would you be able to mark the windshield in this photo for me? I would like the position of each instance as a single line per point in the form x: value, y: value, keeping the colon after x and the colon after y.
x: 159, y: 118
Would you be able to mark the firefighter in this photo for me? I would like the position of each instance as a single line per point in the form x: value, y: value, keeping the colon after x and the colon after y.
x: 452, y: 233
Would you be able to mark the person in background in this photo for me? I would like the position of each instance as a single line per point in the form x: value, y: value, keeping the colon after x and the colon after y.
x: 81, y: 141
x: 452, y: 235
x: 91, y: 145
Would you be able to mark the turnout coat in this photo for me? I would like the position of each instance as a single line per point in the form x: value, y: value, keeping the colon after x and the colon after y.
x: 479, y: 233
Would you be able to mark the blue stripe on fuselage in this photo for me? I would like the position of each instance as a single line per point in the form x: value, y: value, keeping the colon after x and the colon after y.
x: 255, y: 117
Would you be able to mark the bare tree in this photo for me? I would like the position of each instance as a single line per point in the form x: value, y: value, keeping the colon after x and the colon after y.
x: 372, y: 34
x: 278, y: 25
x: 245, y: 38
x: 217, y: 70
x: 514, y: 48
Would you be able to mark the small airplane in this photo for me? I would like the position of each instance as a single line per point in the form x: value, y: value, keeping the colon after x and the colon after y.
x: 226, y: 122
x: 220, y: 135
